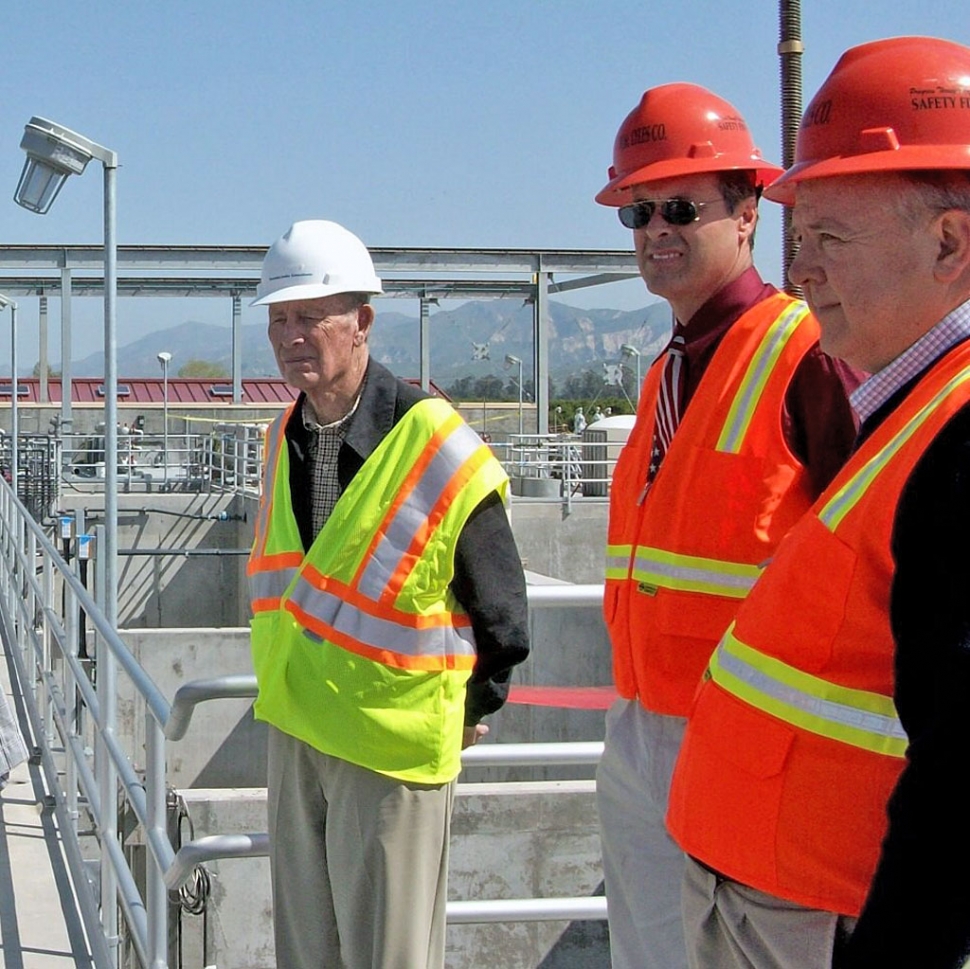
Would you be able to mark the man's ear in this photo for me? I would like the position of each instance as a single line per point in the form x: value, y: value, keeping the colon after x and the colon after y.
x: 365, y: 318
x: 953, y: 236
x: 747, y: 215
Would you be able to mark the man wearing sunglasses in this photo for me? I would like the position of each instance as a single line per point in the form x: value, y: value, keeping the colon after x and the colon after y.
x: 741, y: 423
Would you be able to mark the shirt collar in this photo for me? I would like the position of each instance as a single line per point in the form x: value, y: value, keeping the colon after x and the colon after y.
x: 872, y: 393
x: 309, y: 416
x: 725, y: 307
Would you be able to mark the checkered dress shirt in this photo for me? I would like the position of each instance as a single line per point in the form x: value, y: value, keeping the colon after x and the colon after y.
x: 324, y: 446
x: 870, y: 395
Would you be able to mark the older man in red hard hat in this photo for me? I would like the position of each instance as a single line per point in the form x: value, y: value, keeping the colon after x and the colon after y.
x: 742, y: 422
x: 817, y: 791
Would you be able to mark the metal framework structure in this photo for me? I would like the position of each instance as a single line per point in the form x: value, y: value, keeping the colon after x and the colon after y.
x: 232, y: 272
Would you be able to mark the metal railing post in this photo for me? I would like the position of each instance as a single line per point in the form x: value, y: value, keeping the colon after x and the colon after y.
x: 156, y: 901
x: 108, y: 779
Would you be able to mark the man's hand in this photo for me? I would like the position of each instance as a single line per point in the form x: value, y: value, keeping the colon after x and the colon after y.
x: 473, y: 734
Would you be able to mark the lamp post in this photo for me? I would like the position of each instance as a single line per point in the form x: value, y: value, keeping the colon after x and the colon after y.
x: 628, y: 350
x: 14, y: 401
x: 511, y: 361
x: 164, y: 358
x: 54, y: 153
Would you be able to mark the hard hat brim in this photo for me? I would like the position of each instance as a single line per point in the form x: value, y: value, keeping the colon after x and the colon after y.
x: 619, y: 192
x: 906, y: 158
x: 314, y: 291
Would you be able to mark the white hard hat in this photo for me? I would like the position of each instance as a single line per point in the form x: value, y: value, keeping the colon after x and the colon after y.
x: 315, y: 258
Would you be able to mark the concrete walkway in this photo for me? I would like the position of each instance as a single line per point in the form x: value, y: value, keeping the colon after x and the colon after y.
x: 39, y: 926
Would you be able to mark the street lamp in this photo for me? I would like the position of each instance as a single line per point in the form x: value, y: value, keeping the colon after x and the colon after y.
x: 53, y: 153
x: 14, y: 397
x: 511, y: 361
x: 628, y: 350
x: 164, y: 358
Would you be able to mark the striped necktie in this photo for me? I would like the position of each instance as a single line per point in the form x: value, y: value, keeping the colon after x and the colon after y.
x: 669, y: 403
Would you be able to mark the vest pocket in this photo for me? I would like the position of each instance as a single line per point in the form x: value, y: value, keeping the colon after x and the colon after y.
x: 801, y: 602
x: 728, y: 787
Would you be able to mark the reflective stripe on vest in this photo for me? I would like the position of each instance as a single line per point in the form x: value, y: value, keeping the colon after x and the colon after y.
x: 329, y: 610
x: 745, y: 402
x: 457, y: 445
x: 857, y: 717
x: 275, y: 437
x: 688, y: 573
x: 270, y: 574
x: 266, y: 587
x: 845, y: 499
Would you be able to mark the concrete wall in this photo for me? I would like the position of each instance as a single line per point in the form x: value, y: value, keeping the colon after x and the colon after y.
x: 167, y: 572
x: 571, y: 547
x: 225, y: 746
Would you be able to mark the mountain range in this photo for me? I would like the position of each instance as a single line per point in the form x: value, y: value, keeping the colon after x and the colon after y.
x: 470, y: 340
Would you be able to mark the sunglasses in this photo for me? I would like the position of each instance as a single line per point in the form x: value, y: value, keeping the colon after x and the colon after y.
x: 674, y: 211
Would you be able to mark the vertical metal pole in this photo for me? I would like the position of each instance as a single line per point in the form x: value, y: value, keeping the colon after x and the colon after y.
x: 108, y: 697
x: 156, y: 895
x: 66, y: 351
x: 14, y: 405
x: 425, y: 343
x: 108, y: 779
x: 521, y: 427
x: 43, y: 355
x: 110, y: 395
x: 236, y: 348
x: 790, y: 50
x: 165, y: 417
x: 541, y: 354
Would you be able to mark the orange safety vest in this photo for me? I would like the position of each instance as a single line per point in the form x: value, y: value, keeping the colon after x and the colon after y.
x: 794, y: 746
x: 360, y: 647
x: 681, y: 559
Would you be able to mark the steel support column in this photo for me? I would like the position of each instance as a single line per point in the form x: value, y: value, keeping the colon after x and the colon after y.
x: 236, y: 348
x: 541, y: 355
x: 425, y: 342
x: 66, y: 419
x: 43, y: 366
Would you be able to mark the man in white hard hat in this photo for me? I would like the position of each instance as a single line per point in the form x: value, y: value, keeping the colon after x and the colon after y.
x: 389, y: 609
x: 740, y: 424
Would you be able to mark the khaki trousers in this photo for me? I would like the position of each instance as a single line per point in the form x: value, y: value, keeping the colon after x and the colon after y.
x: 359, y: 863
x: 732, y: 926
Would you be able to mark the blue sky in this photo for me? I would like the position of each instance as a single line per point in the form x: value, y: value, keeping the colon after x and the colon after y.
x: 418, y: 123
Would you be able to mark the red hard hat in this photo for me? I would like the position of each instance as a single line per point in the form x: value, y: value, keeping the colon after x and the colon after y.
x: 680, y: 129
x: 889, y: 105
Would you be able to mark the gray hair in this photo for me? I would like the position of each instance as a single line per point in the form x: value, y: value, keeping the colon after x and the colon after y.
x: 935, y: 192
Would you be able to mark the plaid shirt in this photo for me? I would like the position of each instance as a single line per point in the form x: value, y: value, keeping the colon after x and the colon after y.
x: 869, y: 396
x: 323, y: 446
